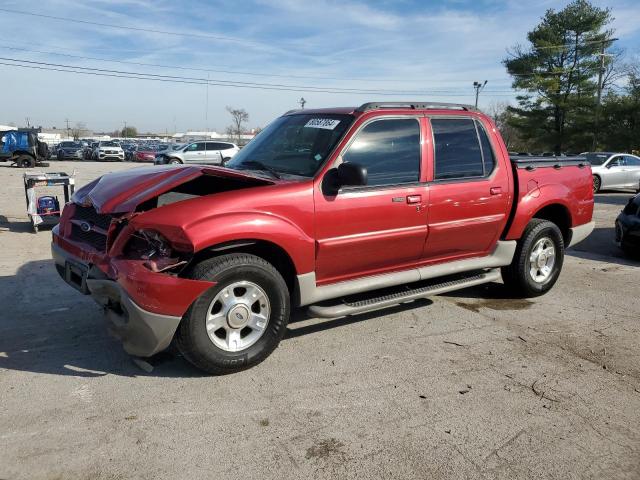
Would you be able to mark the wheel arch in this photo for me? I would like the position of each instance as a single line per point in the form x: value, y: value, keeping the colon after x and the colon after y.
x: 555, y: 209
x: 273, y: 253
x: 559, y: 215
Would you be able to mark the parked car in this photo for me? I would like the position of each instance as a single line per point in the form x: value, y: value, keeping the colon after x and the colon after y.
x: 144, y: 154
x: 109, y: 151
x: 204, y: 152
x: 91, y: 152
x: 339, y: 210
x: 614, y: 170
x: 73, y: 150
x: 628, y: 227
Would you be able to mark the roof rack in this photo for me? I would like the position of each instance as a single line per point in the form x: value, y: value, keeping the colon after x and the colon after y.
x: 414, y: 106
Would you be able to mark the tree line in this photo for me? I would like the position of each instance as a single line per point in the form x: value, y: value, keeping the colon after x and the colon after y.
x: 576, y: 91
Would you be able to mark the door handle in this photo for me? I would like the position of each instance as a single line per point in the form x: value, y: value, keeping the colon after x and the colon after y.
x: 495, y: 190
x: 413, y: 199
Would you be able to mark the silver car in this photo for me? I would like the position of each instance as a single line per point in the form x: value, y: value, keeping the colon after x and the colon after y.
x: 614, y: 170
x: 202, y: 152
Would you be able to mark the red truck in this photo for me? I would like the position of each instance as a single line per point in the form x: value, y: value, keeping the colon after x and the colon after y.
x: 340, y: 210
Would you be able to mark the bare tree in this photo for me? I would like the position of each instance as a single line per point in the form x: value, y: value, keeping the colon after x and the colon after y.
x: 79, y: 130
x: 239, y: 116
x: 503, y: 118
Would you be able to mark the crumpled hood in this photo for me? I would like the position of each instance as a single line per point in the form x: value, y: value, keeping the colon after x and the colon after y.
x: 121, y: 192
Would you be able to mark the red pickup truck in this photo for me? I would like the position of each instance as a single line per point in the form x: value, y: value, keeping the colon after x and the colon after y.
x: 341, y: 210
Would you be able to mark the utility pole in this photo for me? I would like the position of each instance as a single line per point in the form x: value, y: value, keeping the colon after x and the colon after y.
x: 601, y: 71
x: 67, y: 120
x: 478, y: 87
x: 302, y: 102
x: 125, y: 129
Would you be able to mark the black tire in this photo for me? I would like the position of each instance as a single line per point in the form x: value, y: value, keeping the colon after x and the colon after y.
x: 174, y: 161
x: 597, y: 183
x: 25, y: 161
x: 192, y: 337
x: 60, y: 155
x: 517, y: 276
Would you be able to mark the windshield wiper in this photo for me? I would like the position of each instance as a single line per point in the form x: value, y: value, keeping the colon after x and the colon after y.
x: 262, y: 166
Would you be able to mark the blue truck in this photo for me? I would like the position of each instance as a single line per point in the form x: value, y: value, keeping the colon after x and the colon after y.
x: 22, y: 148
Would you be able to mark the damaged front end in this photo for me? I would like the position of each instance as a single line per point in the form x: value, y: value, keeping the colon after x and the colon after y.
x: 104, y: 247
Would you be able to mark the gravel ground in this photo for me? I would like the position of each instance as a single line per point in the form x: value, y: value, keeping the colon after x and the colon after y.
x: 465, y: 385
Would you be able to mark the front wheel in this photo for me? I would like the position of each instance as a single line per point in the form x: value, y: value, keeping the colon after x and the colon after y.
x: 538, y: 260
x: 174, y: 161
x: 25, y: 161
x: 237, y: 323
x: 597, y: 183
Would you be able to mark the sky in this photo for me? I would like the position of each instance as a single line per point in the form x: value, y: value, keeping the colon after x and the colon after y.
x: 393, y: 50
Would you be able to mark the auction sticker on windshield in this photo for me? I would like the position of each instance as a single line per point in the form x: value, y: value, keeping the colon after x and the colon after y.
x: 326, y: 123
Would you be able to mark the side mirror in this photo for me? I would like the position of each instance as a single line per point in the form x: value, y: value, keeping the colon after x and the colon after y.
x: 352, y: 174
x: 347, y: 174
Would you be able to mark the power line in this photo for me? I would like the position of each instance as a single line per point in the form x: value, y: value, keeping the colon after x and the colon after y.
x: 219, y: 82
x: 135, y: 29
x: 195, y: 69
x: 186, y: 80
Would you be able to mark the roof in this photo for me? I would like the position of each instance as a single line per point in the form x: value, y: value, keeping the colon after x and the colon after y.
x: 369, y: 106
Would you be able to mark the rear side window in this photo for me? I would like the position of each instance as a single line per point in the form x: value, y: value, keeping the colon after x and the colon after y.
x: 487, y: 152
x: 457, y: 150
x: 389, y: 149
x: 632, y: 161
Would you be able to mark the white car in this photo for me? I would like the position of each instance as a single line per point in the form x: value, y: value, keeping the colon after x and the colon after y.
x: 203, y: 152
x: 109, y: 151
x: 614, y: 170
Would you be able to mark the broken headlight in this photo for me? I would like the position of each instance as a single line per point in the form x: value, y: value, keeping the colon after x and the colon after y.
x: 154, y: 249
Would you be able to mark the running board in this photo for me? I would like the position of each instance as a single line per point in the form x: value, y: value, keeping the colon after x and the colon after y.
x: 407, y: 294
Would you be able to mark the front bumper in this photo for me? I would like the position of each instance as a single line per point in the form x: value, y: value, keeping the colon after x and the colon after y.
x: 111, y: 156
x: 143, y: 308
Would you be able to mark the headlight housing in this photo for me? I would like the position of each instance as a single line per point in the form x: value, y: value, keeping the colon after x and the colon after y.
x: 156, y: 251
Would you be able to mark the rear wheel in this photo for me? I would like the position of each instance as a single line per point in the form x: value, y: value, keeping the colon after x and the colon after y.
x: 237, y: 323
x: 538, y: 260
x: 597, y: 183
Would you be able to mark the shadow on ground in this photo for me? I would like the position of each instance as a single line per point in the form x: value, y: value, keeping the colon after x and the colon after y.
x: 613, y: 198
x: 601, y: 243
x: 48, y: 327
x: 19, y: 226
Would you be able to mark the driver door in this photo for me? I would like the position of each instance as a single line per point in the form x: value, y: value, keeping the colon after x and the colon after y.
x: 616, y: 174
x: 194, y: 153
x: 381, y: 226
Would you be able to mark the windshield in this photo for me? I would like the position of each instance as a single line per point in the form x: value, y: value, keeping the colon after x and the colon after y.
x: 109, y: 144
x: 293, y: 144
x: 597, y: 158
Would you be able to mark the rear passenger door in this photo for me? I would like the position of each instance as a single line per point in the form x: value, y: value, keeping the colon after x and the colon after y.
x: 212, y: 153
x: 470, y: 192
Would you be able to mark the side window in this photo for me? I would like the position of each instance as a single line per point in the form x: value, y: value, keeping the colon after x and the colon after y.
x: 457, y: 151
x: 225, y: 146
x: 487, y: 151
x: 389, y: 149
x: 632, y: 161
x: 616, y: 162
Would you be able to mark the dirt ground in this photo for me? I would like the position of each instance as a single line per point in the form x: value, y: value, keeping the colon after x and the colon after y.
x: 465, y: 385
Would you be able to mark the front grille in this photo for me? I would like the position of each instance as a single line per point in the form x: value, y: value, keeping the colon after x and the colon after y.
x: 89, y: 215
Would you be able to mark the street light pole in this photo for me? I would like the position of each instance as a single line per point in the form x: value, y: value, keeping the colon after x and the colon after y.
x: 302, y: 102
x: 478, y: 87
